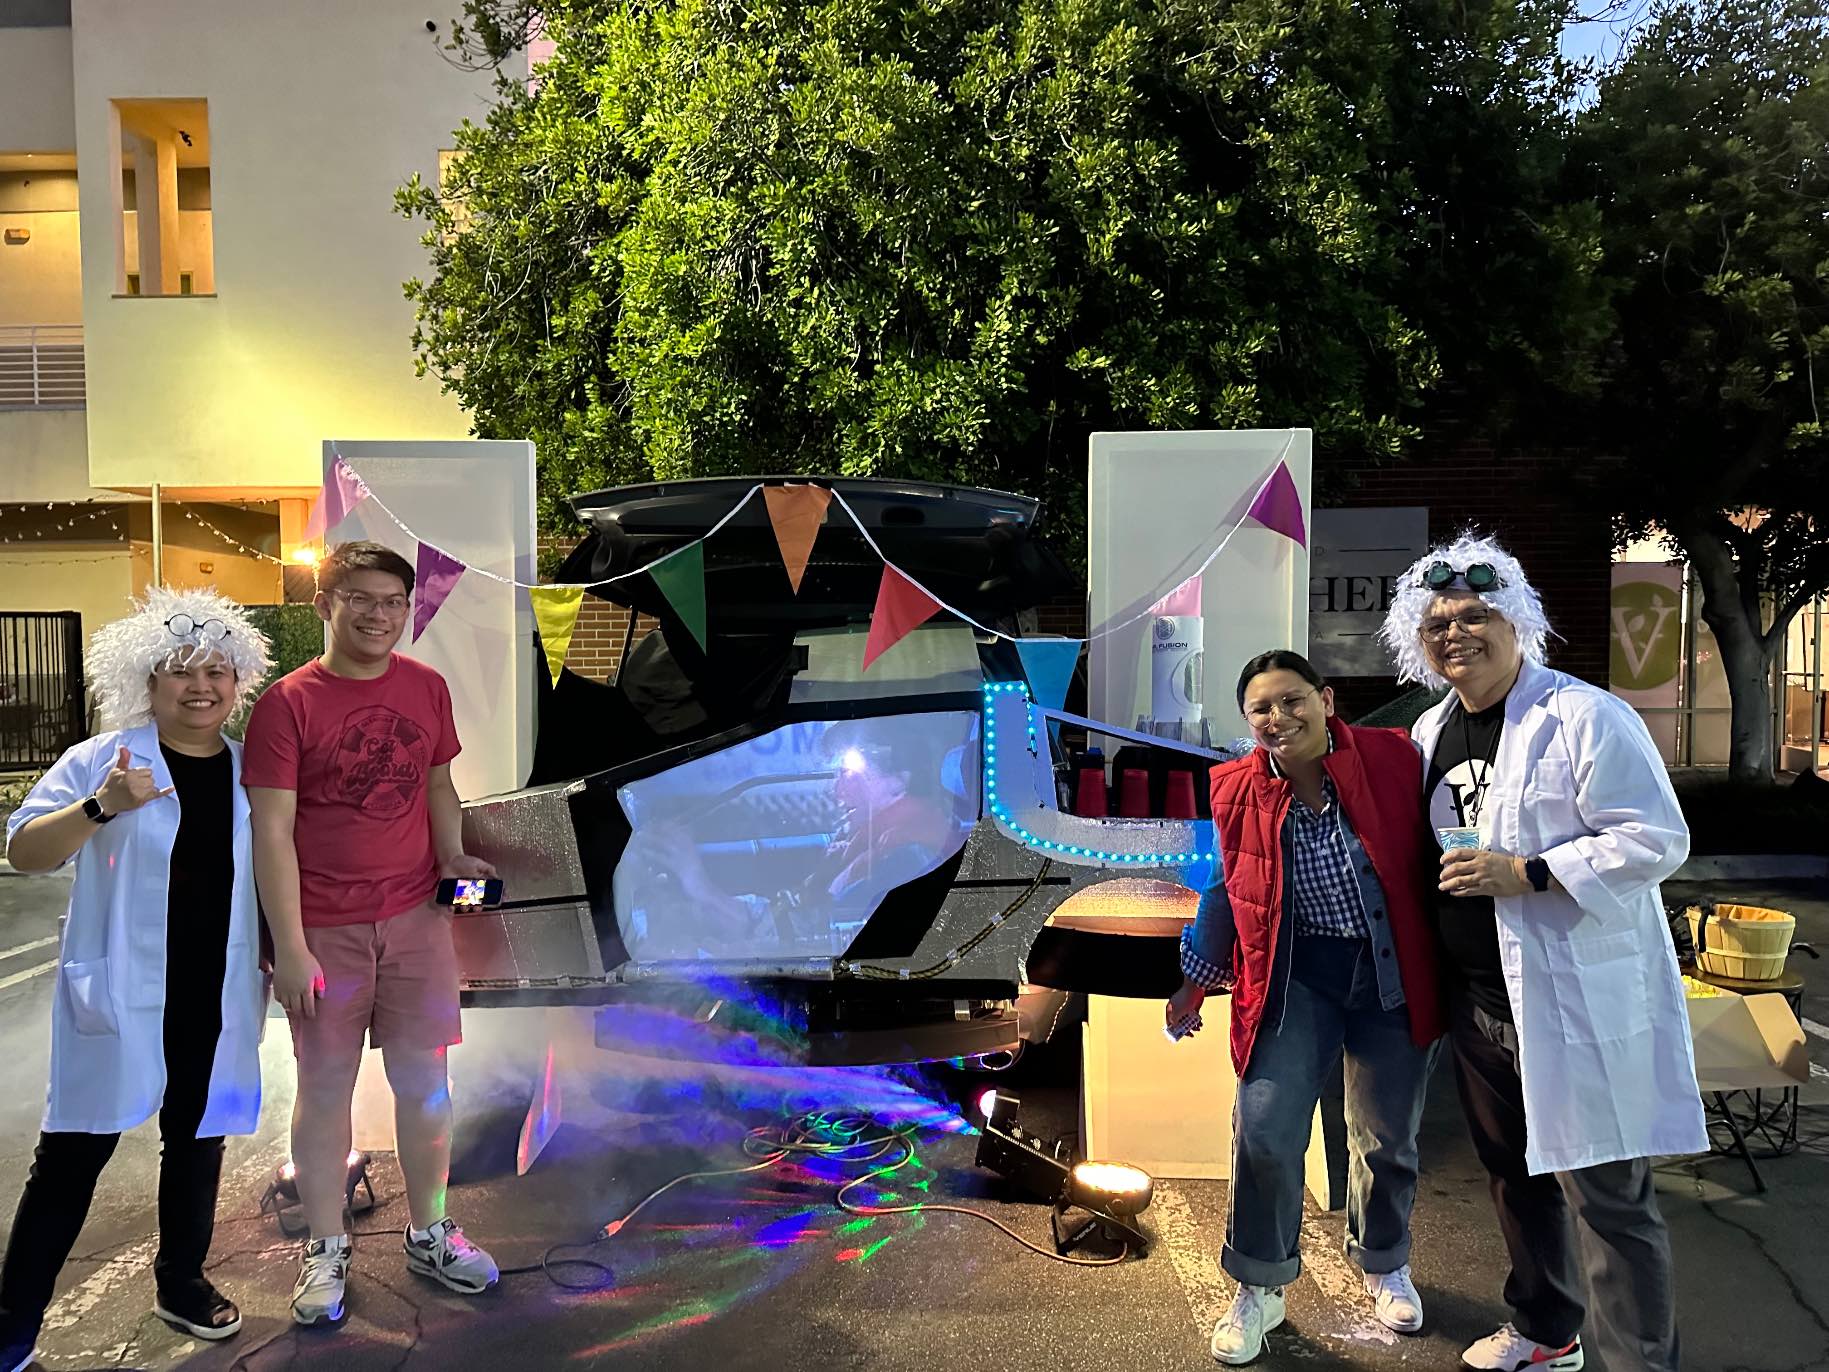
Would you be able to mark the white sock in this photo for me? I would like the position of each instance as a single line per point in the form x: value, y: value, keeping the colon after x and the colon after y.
x: 421, y: 1235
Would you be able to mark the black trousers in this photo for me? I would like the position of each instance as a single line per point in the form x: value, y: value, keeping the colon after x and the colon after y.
x: 66, y: 1167
x: 1623, y: 1243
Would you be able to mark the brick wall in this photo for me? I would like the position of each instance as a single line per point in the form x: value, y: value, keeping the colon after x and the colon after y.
x: 597, y: 642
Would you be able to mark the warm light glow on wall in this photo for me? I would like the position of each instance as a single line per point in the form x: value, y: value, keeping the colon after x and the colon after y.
x: 306, y: 556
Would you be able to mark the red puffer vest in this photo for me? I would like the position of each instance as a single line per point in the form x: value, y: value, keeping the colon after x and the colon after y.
x: 1378, y: 777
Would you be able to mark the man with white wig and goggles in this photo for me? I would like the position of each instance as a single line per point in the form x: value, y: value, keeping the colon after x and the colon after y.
x: 1570, y: 1038
x: 159, y: 997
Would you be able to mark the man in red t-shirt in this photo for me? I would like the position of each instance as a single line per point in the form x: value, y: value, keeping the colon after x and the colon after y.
x: 348, y: 768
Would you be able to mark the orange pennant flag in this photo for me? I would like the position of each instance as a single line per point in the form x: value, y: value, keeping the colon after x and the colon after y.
x: 796, y: 512
x: 901, y: 608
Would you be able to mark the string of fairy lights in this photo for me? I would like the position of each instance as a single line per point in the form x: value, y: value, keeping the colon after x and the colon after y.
x: 74, y: 525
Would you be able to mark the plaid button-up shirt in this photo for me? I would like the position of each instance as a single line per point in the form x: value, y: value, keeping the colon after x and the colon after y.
x: 1323, y: 887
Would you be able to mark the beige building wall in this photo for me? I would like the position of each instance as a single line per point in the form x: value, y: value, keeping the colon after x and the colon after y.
x: 41, y: 279
x: 37, y: 101
x: 316, y: 114
x: 95, y: 580
x: 43, y: 456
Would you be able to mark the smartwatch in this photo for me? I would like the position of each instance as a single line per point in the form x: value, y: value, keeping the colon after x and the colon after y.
x: 92, y: 807
x: 1537, y: 872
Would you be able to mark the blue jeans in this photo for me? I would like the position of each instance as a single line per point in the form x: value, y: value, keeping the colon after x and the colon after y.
x: 1331, y: 1005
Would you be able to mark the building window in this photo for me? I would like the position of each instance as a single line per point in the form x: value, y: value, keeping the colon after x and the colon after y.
x: 167, y: 230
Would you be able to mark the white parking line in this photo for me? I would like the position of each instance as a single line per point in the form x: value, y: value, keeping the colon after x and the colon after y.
x: 1194, y: 1266
x: 28, y: 974
x: 1820, y: 1030
x: 27, y: 947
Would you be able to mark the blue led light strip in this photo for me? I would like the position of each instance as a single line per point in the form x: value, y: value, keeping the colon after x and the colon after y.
x: 1001, y: 812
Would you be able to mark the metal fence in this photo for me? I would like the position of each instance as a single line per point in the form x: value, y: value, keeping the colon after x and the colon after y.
x: 41, y: 687
x: 41, y: 367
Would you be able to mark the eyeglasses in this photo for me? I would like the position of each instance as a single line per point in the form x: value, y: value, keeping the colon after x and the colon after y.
x: 362, y: 603
x: 1479, y: 577
x: 1471, y: 622
x: 1259, y: 712
x: 204, y: 631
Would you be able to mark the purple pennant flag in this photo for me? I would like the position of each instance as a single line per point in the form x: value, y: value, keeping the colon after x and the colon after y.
x: 1278, y: 507
x: 343, y: 491
x: 432, y: 582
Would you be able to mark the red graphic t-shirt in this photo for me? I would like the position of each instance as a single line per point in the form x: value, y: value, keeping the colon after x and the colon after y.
x: 359, y: 754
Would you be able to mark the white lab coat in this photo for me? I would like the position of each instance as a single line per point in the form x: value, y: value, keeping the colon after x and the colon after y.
x: 108, y: 1010
x: 1604, y: 1047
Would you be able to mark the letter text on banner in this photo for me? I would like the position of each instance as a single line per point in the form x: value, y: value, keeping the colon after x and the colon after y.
x: 555, y: 611
x: 681, y: 578
x: 433, y: 579
x: 901, y: 607
x: 796, y: 513
x: 343, y: 491
x: 1049, y: 663
x: 1278, y: 506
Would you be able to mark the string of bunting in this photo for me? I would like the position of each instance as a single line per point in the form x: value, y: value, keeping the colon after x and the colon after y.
x: 797, y: 511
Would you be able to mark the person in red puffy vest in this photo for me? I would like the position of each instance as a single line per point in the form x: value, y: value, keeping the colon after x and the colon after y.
x: 1316, y: 921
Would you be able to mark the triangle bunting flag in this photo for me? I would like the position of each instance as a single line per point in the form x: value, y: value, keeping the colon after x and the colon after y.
x: 433, y: 580
x: 681, y: 578
x: 555, y: 611
x: 343, y: 490
x: 1278, y: 506
x: 1048, y: 663
x: 901, y: 607
x: 796, y: 512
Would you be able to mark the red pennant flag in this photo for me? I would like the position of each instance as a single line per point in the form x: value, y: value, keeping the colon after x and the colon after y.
x: 796, y: 512
x: 901, y: 607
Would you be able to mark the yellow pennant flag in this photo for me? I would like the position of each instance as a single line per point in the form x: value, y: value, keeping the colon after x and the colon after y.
x: 555, y: 610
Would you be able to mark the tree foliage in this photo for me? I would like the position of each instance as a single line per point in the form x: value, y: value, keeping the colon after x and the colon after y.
x: 950, y: 238
x: 1702, y: 161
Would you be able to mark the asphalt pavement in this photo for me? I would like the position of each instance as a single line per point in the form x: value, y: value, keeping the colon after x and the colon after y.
x: 762, y: 1270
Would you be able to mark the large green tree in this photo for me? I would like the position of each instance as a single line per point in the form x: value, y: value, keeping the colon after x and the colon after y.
x: 950, y: 238
x: 1705, y: 162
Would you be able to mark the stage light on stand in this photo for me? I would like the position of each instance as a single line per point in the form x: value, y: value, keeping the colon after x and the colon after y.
x: 987, y: 1099
x: 1111, y: 1194
x: 282, y: 1192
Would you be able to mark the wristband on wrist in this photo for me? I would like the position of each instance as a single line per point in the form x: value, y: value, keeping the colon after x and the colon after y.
x: 1537, y: 872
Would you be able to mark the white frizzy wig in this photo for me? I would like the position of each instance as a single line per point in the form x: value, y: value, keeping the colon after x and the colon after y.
x: 1515, y: 598
x: 122, y: 655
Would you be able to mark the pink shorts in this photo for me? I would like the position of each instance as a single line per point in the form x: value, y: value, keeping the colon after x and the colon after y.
x: 395, y: 979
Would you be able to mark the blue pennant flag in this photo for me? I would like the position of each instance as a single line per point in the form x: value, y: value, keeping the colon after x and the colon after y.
x: 1048, y: 663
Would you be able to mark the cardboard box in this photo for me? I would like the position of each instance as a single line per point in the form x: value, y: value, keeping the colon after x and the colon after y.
x: 1747, y: 1043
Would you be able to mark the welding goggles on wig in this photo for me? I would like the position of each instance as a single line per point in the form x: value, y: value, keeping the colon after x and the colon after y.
x: 1478, y: 577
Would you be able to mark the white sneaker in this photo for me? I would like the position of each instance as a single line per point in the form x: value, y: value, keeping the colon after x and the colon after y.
x: 322, y: 1278
x: 1239, y: 1335
x: 442, y: 1252
x: 1509, y: 1351
x: 1394, y: 1300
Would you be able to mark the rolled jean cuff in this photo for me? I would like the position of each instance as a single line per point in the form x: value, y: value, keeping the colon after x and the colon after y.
x: 1377, y: 1262
x: 1254, y: 1272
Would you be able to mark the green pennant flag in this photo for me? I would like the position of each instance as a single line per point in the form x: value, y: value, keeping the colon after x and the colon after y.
x: 681, y: 578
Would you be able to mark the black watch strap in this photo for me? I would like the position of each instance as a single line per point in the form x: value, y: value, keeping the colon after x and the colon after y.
x: 1537, y: 872
x: 92, y: 807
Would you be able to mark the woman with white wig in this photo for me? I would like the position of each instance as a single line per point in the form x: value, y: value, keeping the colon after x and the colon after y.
x: 159, y: 997
x: 1566, y: 1017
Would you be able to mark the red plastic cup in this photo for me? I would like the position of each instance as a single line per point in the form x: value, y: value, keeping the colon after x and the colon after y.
x: 1089, y: 793
x: 1179, y: 803
x: 1133, y: 793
